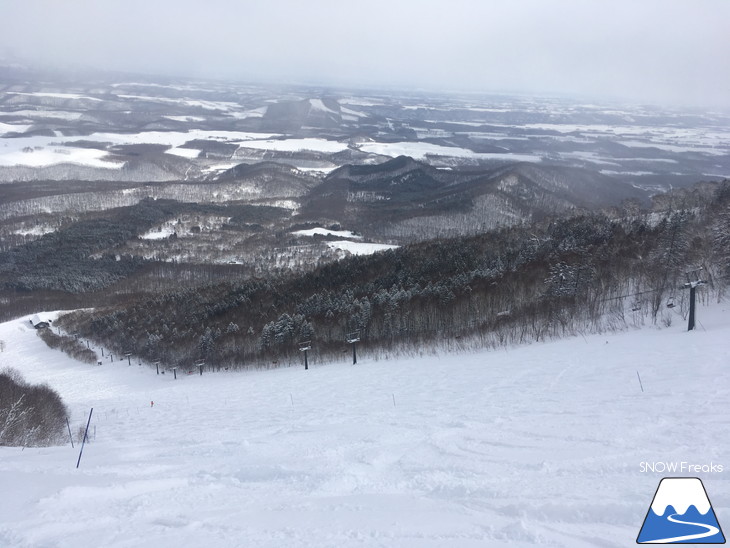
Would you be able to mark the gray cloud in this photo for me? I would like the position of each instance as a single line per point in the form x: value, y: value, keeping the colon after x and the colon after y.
x: 653, y: 50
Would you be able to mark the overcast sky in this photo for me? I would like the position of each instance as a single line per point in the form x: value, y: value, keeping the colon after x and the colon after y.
x: 659, y: 51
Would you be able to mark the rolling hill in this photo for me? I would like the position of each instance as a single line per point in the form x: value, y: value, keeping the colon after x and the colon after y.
x: 402, y: 196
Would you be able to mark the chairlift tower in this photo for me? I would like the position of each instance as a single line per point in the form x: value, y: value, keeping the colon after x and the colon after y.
x: 353, y: 338
x: 200, y: 365
x: 304, y: 346
x: 694, y: 280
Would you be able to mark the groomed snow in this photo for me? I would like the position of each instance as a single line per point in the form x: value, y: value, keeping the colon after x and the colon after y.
x: 535, y: 445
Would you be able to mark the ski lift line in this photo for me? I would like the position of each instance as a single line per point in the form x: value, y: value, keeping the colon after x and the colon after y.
x: 629, y: 295
x: 640, y: 293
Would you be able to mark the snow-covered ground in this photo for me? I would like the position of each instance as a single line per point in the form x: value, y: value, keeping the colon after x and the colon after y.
x: 38, y: 151
x: 24, y: 152
x: 159, y: 233
x: 41, y: 114
x: 55, y: 95
x: 13, y: 128
x: 186, y: 118
x: 354, y: 248
x: 297, y: 145
x: 541, y: 444
x: 326, y: 232
x: 420, y: 151
x: 184, y: 152
x: 359, y: 248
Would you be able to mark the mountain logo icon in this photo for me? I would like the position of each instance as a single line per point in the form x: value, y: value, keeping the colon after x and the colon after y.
x: 680, y: 513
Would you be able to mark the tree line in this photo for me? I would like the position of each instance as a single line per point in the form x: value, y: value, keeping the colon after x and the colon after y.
x: 585, y: 273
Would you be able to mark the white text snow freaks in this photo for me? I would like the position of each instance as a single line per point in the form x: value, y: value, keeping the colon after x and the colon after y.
x: 680, y: 467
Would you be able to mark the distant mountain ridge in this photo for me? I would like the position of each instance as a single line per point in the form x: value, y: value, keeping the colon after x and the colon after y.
x: 270, y: 178
x: 403, y: 191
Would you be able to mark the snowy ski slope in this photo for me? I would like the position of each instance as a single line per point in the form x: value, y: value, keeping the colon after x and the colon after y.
x: 537, y: 445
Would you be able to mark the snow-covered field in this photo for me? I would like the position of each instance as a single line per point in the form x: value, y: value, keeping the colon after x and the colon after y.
x: 359, y: 248
x: 158, y: 234
x: 420, y: 151
x: 38, y: 151
x: 354, y: 248
x: 297, y: 145
x: 45, y: 154
x: 537, y: 445
x: 326, y: 232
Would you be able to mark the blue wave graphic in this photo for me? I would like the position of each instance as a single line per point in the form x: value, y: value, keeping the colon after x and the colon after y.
x: 666, y: 527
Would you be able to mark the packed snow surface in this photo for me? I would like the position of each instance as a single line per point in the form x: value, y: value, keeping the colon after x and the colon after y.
x: 534, y: 445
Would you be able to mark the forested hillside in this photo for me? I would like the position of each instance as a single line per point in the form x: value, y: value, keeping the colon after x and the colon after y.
x: 95, y: 252
x: 516, y: 285
x: 412, y: 201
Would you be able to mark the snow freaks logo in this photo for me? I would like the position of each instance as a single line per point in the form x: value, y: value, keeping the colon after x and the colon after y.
x: 680, y: 513
x: 681, y: 468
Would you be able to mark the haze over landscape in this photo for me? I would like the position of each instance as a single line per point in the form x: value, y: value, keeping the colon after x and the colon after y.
x: 654, y: 51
